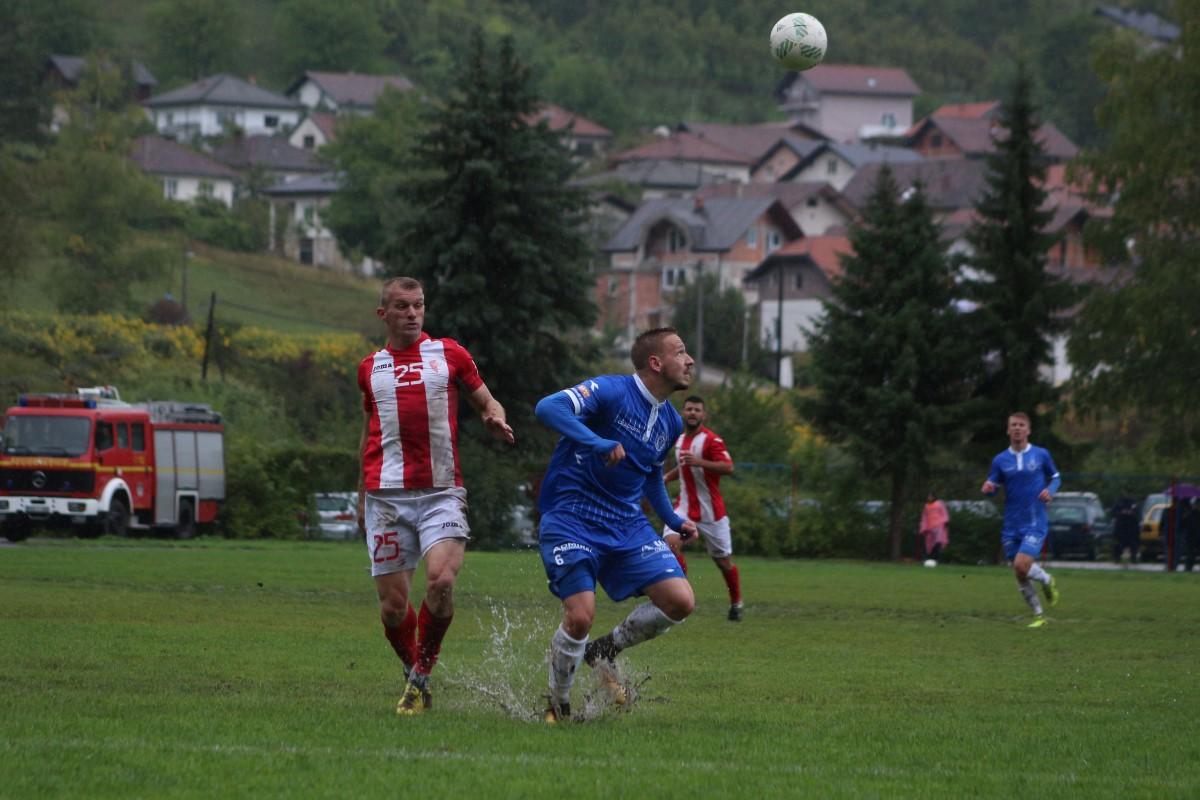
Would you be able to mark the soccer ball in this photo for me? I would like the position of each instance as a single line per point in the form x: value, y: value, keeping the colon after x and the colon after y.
x: 798, y: 41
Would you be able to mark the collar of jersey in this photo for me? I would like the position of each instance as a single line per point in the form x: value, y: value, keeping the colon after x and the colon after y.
x: 1020, y: 452
x: 388, y: 345
x: 654, y: 403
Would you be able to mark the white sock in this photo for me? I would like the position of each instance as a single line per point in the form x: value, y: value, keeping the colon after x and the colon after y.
x: 644, y: 622
x: 1038, y: 574
x: 565, y: 655
x: 1031, y: 596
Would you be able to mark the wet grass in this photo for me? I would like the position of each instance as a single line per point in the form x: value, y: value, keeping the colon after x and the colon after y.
x: 212, y: 668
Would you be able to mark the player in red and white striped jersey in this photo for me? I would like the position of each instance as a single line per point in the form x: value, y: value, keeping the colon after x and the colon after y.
x: 701, y: 461
x: 411, y: 500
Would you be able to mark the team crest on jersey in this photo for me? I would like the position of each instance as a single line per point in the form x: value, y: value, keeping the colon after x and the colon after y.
x: 661, y: 441
x: 435, y: 365
x: 583, y: 390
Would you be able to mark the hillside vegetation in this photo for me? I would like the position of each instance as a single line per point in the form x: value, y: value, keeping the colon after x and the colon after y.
x: 635, y: 63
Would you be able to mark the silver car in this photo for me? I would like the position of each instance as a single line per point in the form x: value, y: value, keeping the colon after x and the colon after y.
x: 337, y: 515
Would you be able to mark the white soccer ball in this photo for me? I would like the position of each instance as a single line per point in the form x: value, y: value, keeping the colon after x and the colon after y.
x: 798, y: 41
x: 929, y: 562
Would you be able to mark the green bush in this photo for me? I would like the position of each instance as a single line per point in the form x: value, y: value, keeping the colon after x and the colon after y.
x: 243, y: 228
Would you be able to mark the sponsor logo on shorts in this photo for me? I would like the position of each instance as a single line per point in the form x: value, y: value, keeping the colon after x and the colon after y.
x: 565, y: 546
x: 450, y: 525
x: 1032, y: 539
x: 657, y: 547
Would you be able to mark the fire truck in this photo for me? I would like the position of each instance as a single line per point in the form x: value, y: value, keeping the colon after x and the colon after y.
x: 97, y: 464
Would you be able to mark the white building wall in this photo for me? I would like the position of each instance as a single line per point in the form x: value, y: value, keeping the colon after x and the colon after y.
x: 185, y: 188
x: 819, y: 170
x: 798, y: 315
x: 185, y: 122
x: 310, y: 96
x: 841, y: 116
x: 304, y: 129
x: 815, y: 220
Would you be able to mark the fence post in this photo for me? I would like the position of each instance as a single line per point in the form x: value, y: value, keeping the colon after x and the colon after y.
x: 1169, y: 522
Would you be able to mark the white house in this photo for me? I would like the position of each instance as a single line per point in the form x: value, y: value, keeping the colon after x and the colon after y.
x: 344, y: 92
x: 315, y: 130
x: 184, y: 174
x: 850, y: 102
x: 297, y: 207
x: 211, y: 106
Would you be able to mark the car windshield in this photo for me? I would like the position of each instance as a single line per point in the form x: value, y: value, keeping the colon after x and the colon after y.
x: 29, y: 435
x: 1068, y: 513
x: 332, y: 503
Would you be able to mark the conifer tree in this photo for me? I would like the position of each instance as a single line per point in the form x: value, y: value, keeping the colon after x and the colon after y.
x: 494, y: 232
x: 889, y: 355
x: 1020, y: 304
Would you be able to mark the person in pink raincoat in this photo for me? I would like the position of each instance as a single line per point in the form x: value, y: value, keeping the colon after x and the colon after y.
x: 935, y: 520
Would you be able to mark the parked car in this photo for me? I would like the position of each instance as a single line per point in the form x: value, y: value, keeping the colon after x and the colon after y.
x: 1151, y: 539
x: 1078, y: 525
x: 337, y: 515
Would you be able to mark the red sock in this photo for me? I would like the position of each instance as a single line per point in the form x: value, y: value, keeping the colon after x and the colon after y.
x: 734, y: 583
x: 682, y: 561
x: 429, y: 642
x: 403, y: 638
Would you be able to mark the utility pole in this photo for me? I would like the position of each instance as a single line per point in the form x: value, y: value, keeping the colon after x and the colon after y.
x: 779, y: 331
x: 699, y: 366
x: 208, y: 332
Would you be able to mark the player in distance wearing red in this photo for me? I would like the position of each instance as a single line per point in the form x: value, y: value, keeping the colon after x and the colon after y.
x: 701, y: 461
x: 411, y: 500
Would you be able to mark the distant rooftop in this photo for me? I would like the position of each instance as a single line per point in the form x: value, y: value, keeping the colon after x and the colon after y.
x: 1146, y: 23
x: 351, y: 88
x: 71, y: 68
x: 223, y: 90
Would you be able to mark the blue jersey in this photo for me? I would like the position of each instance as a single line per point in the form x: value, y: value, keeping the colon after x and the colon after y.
x: 1024, y: 475
x: 594, y: 417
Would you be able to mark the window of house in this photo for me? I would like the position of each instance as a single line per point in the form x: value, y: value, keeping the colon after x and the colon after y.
x: 271, y: 121
x: 935, y: 140
x: 831, y: 166
x: 205, y: 189
x: 310, y: 142
x: 585, y: 148
x: 306, y: 251
x: 811, y: 202
x: 889, y: 119
x: 752, y: 236
x: 798, y: 280
x: 674, y: 277
x: 613, y: 284
x: 675, y: 240
x: 138, y: 437
x: 774, y: 240
x: 170, y: 118
x: 170, y: 188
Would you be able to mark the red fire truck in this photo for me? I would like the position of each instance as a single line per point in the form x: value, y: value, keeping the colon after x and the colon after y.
x: 90, y: 461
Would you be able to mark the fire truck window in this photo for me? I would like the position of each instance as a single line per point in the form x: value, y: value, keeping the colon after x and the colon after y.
x: 104, y: 435
x: 139, y: 437
x: 122, y: 435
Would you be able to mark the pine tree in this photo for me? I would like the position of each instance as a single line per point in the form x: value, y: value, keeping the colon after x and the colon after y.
x: 1020, y: 304
x: 889, y: 355
x: 495, y: 233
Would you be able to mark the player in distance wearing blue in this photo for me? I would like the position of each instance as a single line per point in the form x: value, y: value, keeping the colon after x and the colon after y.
x: 616, y: 431
x: 1030, y: 479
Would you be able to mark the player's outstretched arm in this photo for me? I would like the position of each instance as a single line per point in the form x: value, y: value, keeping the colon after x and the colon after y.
x: 656, y: 492
x: 557, y: 413
x: 491, y: 413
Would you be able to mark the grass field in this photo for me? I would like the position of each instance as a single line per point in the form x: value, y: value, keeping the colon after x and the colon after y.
x: 223, y: 669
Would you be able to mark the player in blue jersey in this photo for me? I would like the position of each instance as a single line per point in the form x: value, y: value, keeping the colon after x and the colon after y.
x: 616, y: 431
x: 1030, y: 479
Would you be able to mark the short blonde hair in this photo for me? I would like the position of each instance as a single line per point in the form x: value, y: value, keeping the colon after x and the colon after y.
x: 408, y: 284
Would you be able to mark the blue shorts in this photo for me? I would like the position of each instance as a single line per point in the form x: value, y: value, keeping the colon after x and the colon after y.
x: 578, y: 553
x: 1026, y: 540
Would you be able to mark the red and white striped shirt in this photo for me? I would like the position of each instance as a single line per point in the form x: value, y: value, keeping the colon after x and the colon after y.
x: 699, y: 490
x: 412, y: 398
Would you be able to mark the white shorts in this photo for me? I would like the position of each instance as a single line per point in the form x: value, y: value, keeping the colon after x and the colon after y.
x: 402, y: 524
x: 717, y: 539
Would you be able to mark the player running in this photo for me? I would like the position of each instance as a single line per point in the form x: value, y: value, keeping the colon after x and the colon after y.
x: 701, y: 460
x: 616, y: 430
x: 1030, y: 479
x: 411, y: 500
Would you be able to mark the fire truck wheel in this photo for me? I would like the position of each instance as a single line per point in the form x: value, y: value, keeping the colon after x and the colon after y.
x: 186, y: 528
x: 16, y: 531
x: 117, y: 522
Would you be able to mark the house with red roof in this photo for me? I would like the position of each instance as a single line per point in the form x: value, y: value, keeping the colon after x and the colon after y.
x: 314, y: 130
x: 691, y: 149
x: 668, y: 242
x: 582, y: 137
x: 849, y: 102
x: 344, y: 92
x: 791, y: 285
x: 970, y: 131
